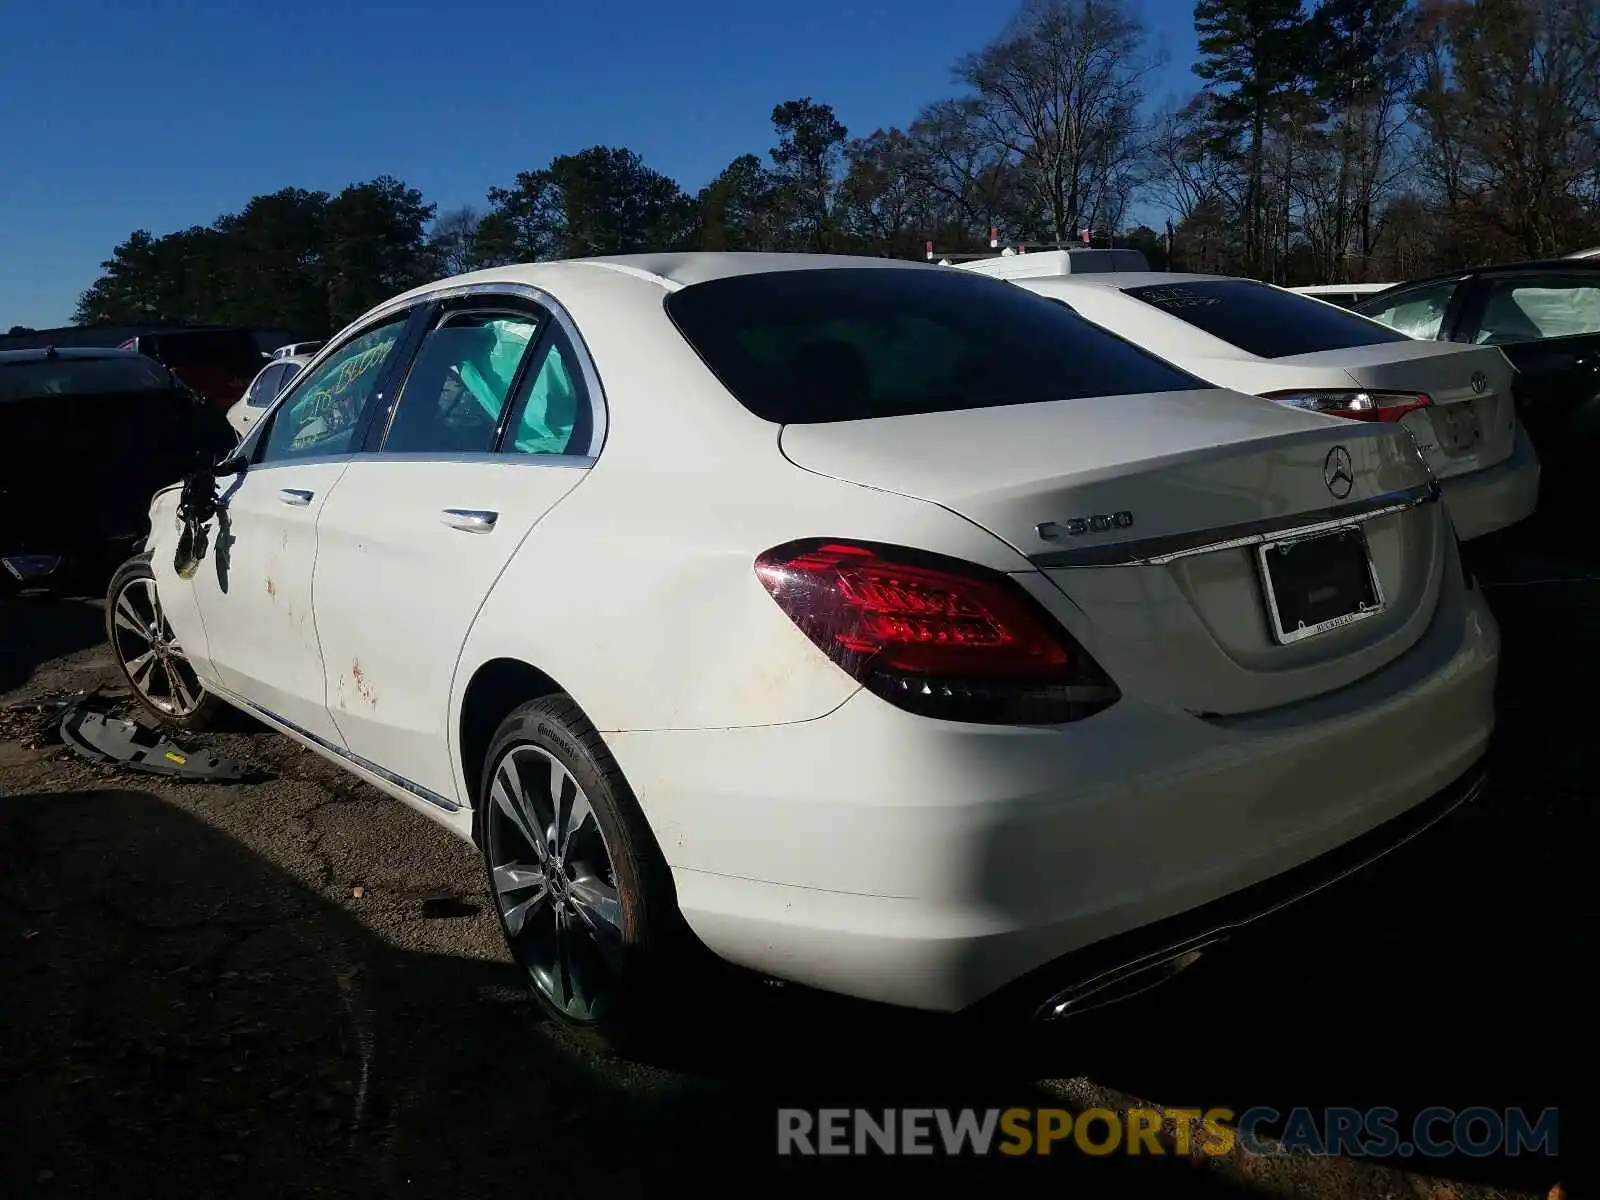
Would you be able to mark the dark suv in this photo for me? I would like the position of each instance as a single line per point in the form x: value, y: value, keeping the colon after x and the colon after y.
x: 86, y: 437
x: 219, y: 362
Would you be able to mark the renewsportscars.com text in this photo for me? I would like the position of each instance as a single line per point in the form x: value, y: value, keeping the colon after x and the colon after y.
x: 1351, y: 1132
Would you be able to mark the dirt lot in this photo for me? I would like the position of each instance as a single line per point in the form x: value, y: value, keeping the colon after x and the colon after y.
x: 195, y: 1000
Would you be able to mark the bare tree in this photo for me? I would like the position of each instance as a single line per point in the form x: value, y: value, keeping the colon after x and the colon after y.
x: 1060, y: 91
x: 963, y: 171
x: 453, y: 240
x: 1511, y: 110
x: 1184, y: 174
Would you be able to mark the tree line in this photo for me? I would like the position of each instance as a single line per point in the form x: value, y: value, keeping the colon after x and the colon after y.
x: 1329, y: 141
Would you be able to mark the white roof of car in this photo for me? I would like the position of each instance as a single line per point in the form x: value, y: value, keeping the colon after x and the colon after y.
x: 1341, y: 289
x: 1122, y: 280
x: 1051, y: 263
x: 673, y: 271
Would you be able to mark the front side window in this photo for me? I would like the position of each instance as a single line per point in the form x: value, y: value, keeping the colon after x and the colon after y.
x: 1263, y: 320
x: 1418, y: 313
x: 847, y: 344
x: 1529, y: 310
x: 320, y: 415
x: 457, y: 389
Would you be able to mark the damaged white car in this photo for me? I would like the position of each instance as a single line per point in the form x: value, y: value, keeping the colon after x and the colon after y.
x: 871, y: 625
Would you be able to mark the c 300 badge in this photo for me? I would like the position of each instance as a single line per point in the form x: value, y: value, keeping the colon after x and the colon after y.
x: 1052, y: 531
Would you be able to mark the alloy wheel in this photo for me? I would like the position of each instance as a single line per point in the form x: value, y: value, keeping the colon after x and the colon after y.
x: 150, y: 653
x: 555, y: 884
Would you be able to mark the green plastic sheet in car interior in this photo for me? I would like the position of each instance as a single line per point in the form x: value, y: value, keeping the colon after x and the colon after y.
x: 489, y: 366
x: 552, y: 407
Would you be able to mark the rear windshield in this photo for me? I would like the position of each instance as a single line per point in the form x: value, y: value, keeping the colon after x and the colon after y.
x: 207, y: 348
x: 808, y: 346
x: 82, y: 377
x: 1264, y: 320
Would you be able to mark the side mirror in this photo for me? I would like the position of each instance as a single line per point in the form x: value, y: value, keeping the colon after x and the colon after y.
x: 233, y: 464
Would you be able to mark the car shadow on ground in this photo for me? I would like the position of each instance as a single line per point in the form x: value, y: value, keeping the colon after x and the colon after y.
x: 36, y: 629
x: 184, y: 1018
x: 1455, y: 972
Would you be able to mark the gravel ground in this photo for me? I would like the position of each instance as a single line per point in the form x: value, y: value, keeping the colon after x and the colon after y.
x: 294, y: 988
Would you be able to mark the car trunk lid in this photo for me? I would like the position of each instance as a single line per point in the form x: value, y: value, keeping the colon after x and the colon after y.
x: 1146, y: 514
x: 1471, y: 423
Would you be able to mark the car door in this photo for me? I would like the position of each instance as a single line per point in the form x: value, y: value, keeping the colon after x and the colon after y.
x: 254, y: 591
x: 493, y: 425
x: 1548, y: 324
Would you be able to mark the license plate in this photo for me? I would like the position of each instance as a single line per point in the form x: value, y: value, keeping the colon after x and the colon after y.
x: 1318, y: 583
x: 1461, y: 428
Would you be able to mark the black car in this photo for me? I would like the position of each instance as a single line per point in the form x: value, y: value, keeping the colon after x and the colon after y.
x: 1545, y: 316
x: 87, y: 436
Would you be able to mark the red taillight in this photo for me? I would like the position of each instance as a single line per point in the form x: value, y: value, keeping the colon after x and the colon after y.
x: 1355, y: 405
x: 933, y: 635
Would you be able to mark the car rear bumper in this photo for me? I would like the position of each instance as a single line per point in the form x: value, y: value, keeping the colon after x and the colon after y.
x: 932, y: 864
x: 1499, y: 496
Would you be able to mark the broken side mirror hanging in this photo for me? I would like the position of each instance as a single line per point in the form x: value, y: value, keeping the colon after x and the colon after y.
x: 197, y: 504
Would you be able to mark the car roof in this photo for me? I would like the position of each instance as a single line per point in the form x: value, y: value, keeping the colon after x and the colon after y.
x: 1123, y: 280
x: 78, y: 353
x: 1323, y: 289
x: 1566, y: 266
x: 670, y: 271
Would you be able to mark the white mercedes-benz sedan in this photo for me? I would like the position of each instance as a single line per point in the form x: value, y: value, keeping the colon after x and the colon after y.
x: 874, y: 626
x: 1456, y: 400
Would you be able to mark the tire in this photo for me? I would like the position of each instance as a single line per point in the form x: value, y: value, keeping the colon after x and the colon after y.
x: 604, y: 983
x: 164, y: 683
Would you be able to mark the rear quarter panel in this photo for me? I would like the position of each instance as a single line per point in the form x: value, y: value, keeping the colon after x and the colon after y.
x: 638, y: 592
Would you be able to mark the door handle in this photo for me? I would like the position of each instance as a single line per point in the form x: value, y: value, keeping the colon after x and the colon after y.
x: 295, y: 496
x: 470, y: 520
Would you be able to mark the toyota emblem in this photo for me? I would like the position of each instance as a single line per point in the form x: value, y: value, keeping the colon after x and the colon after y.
x: 1338, y: 473
x: 1480, y: 383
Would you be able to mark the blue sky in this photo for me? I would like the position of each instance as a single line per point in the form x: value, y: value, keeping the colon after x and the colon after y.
x: 161, y: 114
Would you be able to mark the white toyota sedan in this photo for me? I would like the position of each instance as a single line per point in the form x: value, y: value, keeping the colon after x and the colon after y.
x: 1455, y: 400
x: 876, y: 626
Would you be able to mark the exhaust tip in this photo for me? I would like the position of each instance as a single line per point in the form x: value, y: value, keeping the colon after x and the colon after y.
x: 1122, y: 983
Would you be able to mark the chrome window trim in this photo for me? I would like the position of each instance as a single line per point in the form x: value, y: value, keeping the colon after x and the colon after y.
x: 1166, y: 548
x: 442, y: 321
x: 598, y: 404
x: 570, y: 461
x: 479, y: 456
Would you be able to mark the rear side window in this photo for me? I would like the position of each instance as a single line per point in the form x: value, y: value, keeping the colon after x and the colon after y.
x: 458, y: 386
x: 809, y: 346
x: 1263, y: 320
x: 265, y: 388
x: 82, y: 377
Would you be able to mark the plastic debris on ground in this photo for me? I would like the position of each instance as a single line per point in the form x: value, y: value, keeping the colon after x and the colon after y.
x: 102, y: 738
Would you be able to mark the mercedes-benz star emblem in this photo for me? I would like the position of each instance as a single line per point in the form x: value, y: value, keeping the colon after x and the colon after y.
x: 1338, y: 473
x: 1480, y: 383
